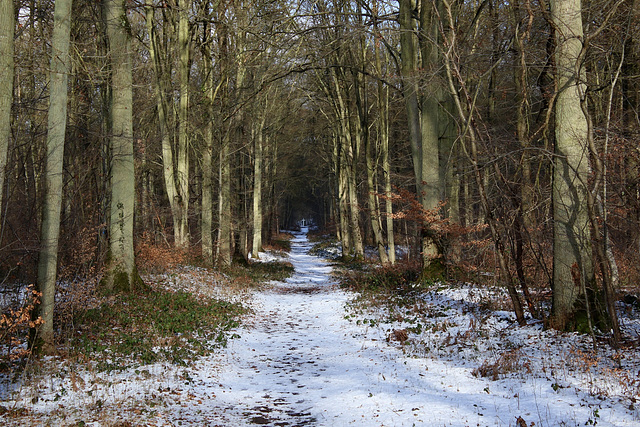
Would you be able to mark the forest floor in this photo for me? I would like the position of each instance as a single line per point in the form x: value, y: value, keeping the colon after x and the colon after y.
x: 312, y: 354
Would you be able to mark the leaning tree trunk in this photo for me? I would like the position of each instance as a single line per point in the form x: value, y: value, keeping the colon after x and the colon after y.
x: 573, y: 270
x: 56, y: 128
x: 7, y: 25
x: 121, y: 275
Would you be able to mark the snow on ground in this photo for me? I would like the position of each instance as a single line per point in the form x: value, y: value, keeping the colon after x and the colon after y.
x: 303, y: 360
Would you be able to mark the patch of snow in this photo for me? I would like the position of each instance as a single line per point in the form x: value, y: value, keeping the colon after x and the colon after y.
x: 306, y: 358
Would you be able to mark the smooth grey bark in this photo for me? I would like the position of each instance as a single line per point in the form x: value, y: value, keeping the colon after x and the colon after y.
x: 348, y: 161
x: 383, y: 140
x: 122, y: 274
x: 181, y: 234
x: 223, y: 256
x: 257, y: 185
x: 7, y: 27
x: 56, y: 129
x: 573, y: 270
x: 206, y: 223
x: 419, y: 53
x: 175, y: 157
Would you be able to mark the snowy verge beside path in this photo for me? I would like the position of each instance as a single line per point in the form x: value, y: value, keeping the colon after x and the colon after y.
x: 303, y: 363
x: 302, y: 359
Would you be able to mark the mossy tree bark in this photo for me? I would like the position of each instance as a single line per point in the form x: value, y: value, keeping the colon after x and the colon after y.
x: 121, y: 275
x: 56, y: 129
x: 573, y: 271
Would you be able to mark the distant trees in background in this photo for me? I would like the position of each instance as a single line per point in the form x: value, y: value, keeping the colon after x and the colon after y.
x: 479, y: 136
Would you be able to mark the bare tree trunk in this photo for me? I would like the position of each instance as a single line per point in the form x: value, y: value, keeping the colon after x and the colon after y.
x: 461, y: 95
x: 348, y: 168
x: 257, y: 186
x: 374, y: 213
x: 206, y: 226
x: 572, y: 253
x: 122, y: 274
x: 56, y: 129
x: 174, y: 159
x: 7, y: 27
x: 224, y: 207
x: 383, y: 135
x: 419, y: 46
x: 341, y: 186
x: 182, y: 166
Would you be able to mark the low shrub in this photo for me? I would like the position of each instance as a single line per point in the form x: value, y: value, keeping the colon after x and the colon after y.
x: 15, y: 323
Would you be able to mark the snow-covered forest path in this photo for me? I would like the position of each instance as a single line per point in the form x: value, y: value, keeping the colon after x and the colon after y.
x: 304, y: 359
x: 303, y: 363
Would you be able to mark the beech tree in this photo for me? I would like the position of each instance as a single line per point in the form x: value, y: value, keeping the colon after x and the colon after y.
x: 7, y: 26
x: 172, y: 34
x: 573, y: 271
x: 56, y: 129
x: 419, y: 65
x: 122, y: 274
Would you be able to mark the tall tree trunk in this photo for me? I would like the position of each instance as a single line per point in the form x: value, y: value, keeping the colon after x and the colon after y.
x: 7, y: 26
x: 206, y: 225
x: 573, y: 271
x: 348, y: 160
x: 257, y: 186
x: 460, y: 94
x: 182, y: 167
x: 56, y: 129
x: 122, y: 274
x: 383, y: 135
x: 224, y: 254
x: 341, y: 187
x: 422, y: 111
x: 175, y: 160
x: 374, y: 212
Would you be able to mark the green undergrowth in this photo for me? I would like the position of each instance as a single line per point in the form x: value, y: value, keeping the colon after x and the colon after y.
x: 400, y: 277
x: 258, y: 272
x: 282, y: 243
x: 134, y: 329
x: 397, y: 287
